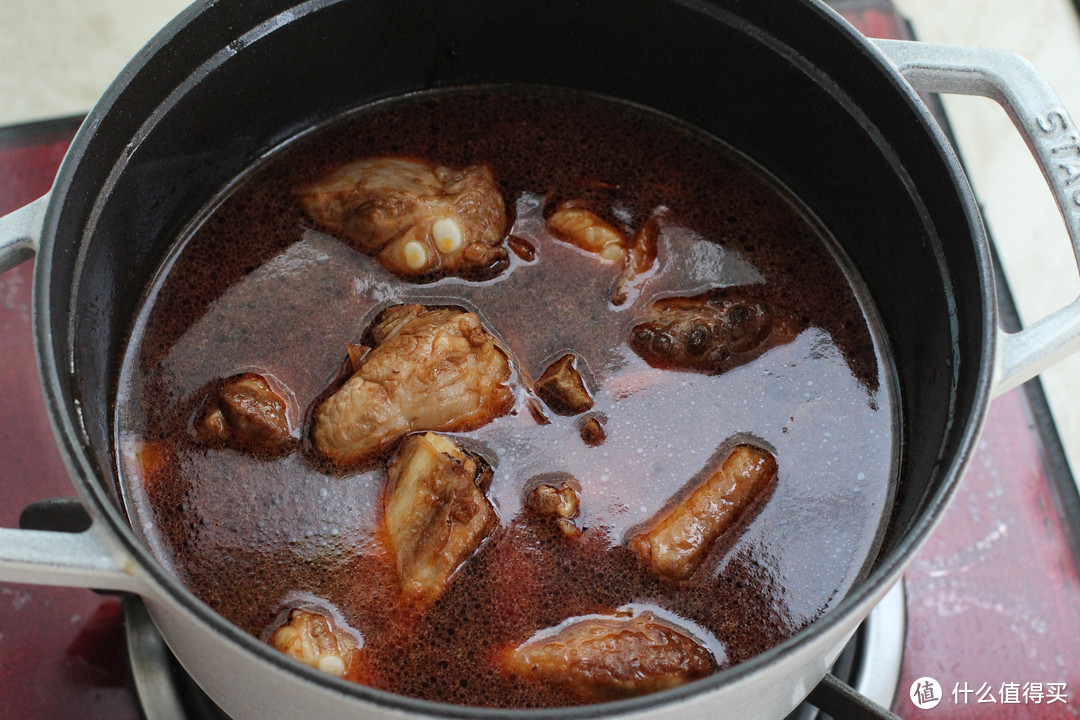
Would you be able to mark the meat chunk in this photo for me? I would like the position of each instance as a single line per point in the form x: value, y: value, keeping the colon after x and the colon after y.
x: 640, y: 259
x: 247, y: 414
x: 572, y: 223
x: 522, y: 248
x: 562, y: 389
x: 314, y: 639
x: 436, y: 513
x: 432, y: 369
x: 612, y: 656
x: 415, y: 217
x: 712, y: 332
x: 592, y: 431
x: 558, y: 501
x: 678, y: 543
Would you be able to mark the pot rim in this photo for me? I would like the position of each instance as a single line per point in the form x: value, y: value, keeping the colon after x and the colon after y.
x: 854, y: 606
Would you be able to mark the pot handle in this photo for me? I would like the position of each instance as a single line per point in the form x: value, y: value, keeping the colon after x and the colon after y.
x: 41, y: 557
x: 1054, y: 141
x: 57, y: 544
x: 82, y: 559
x: 20, y: 232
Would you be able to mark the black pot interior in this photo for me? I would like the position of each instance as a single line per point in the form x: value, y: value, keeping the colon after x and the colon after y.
x: 782, y: 81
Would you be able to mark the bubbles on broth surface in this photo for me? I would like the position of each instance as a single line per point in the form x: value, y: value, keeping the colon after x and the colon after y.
x: 254, y: 287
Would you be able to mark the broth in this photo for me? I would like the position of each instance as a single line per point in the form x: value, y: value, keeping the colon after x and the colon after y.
x: 251, y: 286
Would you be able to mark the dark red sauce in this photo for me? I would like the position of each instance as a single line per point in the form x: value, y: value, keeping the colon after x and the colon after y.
x: 251, y: 287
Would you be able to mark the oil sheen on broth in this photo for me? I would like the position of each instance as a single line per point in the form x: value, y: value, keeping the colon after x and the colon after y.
x: 252, y: 286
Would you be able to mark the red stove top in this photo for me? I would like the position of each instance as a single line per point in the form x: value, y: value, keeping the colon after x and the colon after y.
x: 993, y: 598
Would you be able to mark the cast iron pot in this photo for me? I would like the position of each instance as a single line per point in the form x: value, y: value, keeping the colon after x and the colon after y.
x: 787, y: 82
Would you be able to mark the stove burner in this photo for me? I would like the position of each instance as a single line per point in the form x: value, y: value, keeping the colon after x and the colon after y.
x: 164, y: 689
x: 870, y: 664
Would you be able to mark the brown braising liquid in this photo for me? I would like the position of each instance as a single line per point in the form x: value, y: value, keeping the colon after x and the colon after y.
x: 252, y: 287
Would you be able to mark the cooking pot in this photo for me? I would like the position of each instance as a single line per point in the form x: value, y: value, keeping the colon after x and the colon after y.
x: 788, y: 82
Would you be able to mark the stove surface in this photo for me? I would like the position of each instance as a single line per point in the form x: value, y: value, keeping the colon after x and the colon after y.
x: 994, y: 596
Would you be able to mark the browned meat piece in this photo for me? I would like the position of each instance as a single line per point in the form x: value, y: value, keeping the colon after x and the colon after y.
x: 314, y: 639
x: 676, y: 545
x: 559, y: 501
x: 592, y: 431
x: 537, y: 412
x: 391, y: 321
x: 614, y: 656
x: 522, y: 248
x: 429, y: 370
x: 576, y: 225
x: 712, y: 332
x: 436, y: 513
x: 640, y: 259
x: 417, y: 218
x: 562, y: 388
x: 357, y: 353
x: 246, y: 414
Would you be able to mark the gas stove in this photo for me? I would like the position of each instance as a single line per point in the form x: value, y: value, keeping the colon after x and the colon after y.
x: 983, y: 625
